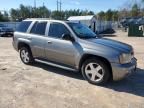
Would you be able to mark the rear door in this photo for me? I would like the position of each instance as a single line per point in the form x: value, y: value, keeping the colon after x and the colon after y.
x: 38, y: 32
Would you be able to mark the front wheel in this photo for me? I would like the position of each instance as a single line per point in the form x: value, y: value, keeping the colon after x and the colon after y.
x: 95, y: 71
x: 26, y: 55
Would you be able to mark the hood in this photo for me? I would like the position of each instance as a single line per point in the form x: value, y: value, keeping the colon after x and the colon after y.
x: 116, y: 45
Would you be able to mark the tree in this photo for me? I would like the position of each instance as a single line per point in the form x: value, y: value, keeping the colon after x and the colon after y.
x: 115, y: 16
x: 108, y: 15
x: 24, y: 12
x: 14, y: 13
x: 101, y: 15
x: 1, y: 16
x: 135, y: 10
x: 58, y: 15
x: 124, y: 13
x: 4, y: 17
x: 45, y: 13
x: 63, y: 15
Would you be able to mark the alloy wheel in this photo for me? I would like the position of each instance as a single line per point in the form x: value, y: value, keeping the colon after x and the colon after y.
x: 25, y: 56
x: 94, y: 72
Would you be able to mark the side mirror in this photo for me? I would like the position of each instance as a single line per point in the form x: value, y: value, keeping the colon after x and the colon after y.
x: 67, y: 37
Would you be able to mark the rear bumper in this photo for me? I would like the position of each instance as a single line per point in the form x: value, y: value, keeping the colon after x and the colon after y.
x: 14, y: 46
x: 120, y: 71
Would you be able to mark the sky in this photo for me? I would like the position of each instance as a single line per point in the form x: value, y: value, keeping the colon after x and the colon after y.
x: 94, y: 5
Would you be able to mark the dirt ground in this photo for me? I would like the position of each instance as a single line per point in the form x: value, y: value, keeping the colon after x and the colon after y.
x: 43, y: 86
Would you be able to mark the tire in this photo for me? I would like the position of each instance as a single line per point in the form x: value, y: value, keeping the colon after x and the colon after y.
x: 95, y: 71
x: 26, y: 56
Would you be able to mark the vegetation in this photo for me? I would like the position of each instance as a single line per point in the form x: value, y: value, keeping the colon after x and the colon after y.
x: 23, y: 12
x: 110, y: 15
x: 130, y: 10
x: 4, y: 16
x: 29, y: 12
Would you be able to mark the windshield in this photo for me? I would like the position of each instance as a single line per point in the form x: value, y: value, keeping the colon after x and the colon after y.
x: 82, y: 31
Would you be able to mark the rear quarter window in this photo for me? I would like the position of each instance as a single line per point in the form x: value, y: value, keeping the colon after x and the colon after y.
x: 23, y: 27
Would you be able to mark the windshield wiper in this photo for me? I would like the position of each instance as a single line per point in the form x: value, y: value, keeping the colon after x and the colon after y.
x: 87, y: 37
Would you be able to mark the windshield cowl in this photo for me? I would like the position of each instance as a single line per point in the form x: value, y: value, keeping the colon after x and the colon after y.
x: 87, y: 37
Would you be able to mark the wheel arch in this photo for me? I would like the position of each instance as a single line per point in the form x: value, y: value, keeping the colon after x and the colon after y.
x: 88, y: 56
x: 23, y: 44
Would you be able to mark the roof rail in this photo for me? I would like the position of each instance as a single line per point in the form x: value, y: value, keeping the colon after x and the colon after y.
x: 39, y: 19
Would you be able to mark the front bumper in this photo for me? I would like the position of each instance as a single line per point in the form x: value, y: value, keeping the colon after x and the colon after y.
x: 120, y: 71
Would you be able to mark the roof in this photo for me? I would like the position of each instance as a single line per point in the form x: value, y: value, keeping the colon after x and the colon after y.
x: 46, y: 19
x: 75, y: 18
x: 42, y: 19
x: 38, y: 19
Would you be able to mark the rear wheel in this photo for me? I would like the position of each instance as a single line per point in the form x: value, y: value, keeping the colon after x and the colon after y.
x: 26, y: 55
x: 95, y: 71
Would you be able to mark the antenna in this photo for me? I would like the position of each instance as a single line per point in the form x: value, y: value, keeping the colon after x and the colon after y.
x: 59, y: 8
x: 34, y: 3
x: 43, y: 4
x: 59, y: 5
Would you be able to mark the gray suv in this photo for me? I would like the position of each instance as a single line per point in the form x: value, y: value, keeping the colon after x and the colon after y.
x: 73, y: 46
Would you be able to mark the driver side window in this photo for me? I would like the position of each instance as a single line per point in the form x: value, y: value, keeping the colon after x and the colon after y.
x: 56, y: 30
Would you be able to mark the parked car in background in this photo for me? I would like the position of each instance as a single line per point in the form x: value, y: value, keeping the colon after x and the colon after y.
x: 5, y: 31
x: 74, y: 46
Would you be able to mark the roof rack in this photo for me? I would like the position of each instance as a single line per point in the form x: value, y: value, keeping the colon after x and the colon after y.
x: 39, y: 19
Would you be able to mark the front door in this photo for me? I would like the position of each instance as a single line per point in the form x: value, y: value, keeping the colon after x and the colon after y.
x: 57, y: 49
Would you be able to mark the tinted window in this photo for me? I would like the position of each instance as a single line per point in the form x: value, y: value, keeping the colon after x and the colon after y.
x: 23, y: 26
x: 33, y: 28
x: 57, y: 30
x: 39, y: 28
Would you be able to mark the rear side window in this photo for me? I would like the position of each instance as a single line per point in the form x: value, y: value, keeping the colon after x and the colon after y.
x: 23, y: 27
x: 57, y: 30
x: 39, y: 28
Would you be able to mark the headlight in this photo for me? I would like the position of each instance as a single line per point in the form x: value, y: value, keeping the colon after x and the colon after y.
x: 125, y: 58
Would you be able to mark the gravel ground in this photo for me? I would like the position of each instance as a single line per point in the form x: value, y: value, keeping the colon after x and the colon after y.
x: 43, y: 86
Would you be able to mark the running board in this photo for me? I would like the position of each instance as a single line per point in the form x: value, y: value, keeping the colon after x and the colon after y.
x: 55, y: 65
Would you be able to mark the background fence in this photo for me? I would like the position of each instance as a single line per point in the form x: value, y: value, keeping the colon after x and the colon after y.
x: 100, y: 25
x: 103, y: 25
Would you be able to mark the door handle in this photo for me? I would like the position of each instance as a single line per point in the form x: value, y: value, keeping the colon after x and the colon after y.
x: 30, y: 38
x: 49, y: 42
